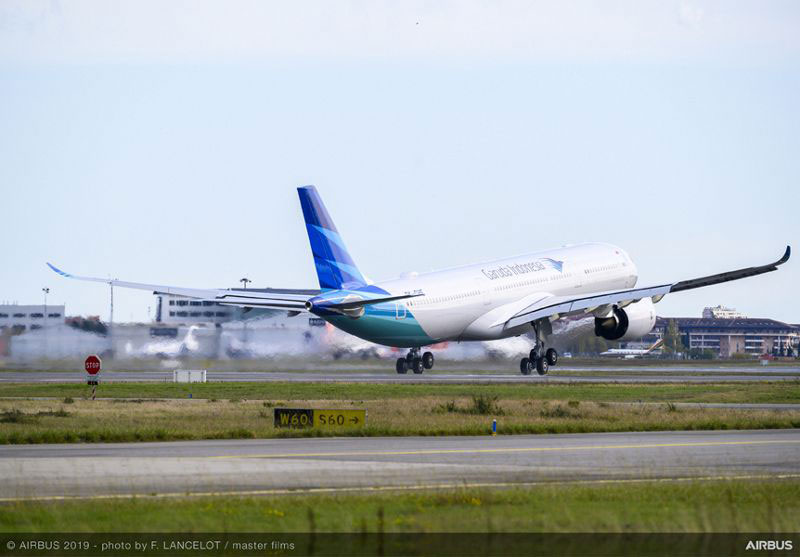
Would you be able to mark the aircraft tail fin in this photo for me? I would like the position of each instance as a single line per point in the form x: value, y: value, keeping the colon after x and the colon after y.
x: 335, y: 268
x: 656, y: 344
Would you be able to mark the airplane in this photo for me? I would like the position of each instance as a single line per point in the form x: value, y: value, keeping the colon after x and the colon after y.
x: 479, y: 302
x: 167, y: 347
x: 629, y: 353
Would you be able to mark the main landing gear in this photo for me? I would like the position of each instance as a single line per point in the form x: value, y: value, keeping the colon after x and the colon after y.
x: 541, y: 364
x: 539, y: 358
x: 415, y: 362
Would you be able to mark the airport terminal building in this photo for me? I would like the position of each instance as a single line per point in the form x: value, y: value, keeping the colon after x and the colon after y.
x: 727, y: 337
x: 174, y: 310
x: 19, y: 318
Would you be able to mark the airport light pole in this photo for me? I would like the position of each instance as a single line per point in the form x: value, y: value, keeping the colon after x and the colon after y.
x: 46, y: 292
x: 111, y: 319
x: 244, y: 282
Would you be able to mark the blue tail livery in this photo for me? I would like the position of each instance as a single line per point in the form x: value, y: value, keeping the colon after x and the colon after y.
x: 336, y: 270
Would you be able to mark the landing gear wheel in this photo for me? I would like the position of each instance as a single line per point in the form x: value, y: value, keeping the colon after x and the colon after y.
x: 401, y: 366
x: 542, y: 366
x: 534, y: 355
x: 552, y: 356
x: 526, y: 366
x: 427, y: 360
x: 417, y: 366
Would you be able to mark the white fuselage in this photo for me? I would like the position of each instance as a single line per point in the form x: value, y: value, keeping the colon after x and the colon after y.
x: 462, y: 303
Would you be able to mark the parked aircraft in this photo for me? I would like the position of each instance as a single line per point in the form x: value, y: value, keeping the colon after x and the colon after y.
x: 629, y: 353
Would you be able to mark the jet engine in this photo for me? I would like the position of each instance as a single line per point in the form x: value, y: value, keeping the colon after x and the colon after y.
x: 628, y: 323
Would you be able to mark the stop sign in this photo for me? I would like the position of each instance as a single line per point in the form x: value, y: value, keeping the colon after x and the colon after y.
x: 92, y: 364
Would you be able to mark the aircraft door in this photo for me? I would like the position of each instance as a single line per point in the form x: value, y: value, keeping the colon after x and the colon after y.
x: 577, y: 277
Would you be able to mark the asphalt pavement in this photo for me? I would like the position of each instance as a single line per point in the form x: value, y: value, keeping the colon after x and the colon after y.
x: 274, y: 466
x: 650, y: 374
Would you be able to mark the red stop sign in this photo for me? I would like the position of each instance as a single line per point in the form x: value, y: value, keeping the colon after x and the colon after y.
x: 92, y: 364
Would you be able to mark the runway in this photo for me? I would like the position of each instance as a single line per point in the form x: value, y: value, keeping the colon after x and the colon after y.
x: 559, y: 375
x: 274, y: 466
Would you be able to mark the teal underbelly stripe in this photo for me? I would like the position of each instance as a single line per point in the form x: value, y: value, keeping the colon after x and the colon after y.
x: 380, y: 324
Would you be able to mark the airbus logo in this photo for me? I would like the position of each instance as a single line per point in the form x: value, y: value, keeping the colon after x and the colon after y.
x: 769, y: 545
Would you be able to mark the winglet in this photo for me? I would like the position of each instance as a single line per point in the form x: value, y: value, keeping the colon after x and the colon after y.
x: 786, y: 255
x: 59, y: 271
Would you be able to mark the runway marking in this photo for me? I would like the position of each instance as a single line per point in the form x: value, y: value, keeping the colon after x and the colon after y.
x: 388, y: 488
x: 510, y: 449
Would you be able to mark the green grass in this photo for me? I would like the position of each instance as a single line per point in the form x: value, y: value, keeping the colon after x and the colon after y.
x: 714, y: 506
x: 164, y: 411
x: 140, y: 419
x: 761, y: 392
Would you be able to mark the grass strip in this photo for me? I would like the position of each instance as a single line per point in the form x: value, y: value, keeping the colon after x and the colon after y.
x: 124, y: 420
x: 693, y: 506
x: 749, y: 392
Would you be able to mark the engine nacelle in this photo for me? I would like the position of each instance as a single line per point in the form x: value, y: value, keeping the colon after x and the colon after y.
x: 628, y: 323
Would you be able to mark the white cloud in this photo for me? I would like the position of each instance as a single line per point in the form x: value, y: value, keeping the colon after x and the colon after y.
x: 241, y: 30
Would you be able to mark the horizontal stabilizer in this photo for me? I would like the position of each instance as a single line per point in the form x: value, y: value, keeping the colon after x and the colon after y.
x: 351, y: 304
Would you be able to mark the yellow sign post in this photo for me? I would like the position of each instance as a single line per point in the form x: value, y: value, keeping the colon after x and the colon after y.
x: 339, y: 418
x: 320, y: 419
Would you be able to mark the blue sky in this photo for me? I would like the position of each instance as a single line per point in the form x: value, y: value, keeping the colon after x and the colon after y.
x: 163, y: 142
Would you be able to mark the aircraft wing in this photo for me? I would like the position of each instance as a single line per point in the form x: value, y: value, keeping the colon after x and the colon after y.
x: 571, y: 305
x: 269, y: 298
x: 292, y: 300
